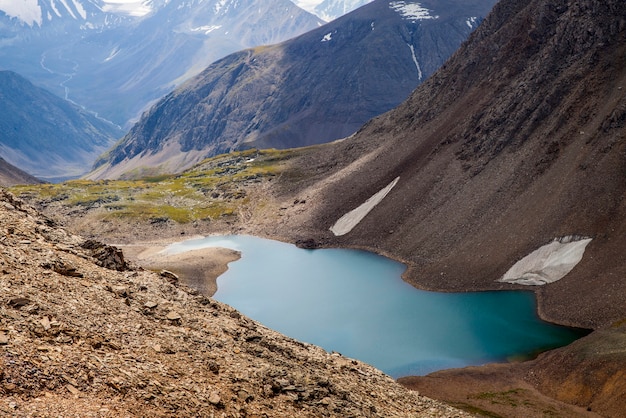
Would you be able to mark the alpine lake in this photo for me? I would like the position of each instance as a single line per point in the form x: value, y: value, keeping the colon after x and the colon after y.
x: 356, y: 303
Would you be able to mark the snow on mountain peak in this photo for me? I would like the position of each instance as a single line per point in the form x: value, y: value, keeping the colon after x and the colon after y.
x: 28, y: 11
x: 411, y: 11
x: 35, y: 12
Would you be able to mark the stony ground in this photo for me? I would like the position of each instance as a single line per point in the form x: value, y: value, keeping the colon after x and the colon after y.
x: 81, y: 340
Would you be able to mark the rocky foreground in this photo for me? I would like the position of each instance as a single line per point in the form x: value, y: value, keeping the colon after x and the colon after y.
x: 83, y: 334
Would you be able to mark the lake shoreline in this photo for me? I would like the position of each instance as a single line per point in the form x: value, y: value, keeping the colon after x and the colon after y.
x: 209, y: 263
x: 456, y: 386
x: 198, y: 269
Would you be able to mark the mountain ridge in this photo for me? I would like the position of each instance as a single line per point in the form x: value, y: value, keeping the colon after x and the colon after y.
x: 11, y: 175
x: 318, y: 87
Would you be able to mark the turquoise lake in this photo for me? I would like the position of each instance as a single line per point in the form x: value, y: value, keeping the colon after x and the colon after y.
x: 355, y: 303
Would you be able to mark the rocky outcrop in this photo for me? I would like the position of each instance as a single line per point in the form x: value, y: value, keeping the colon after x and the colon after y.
x: 583, y: 379
x: 590, y: 372
x: 77, y: 339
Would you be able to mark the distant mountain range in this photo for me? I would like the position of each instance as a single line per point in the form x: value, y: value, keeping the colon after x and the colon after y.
x: 116, y: 58
x: 312, y: 89
x: 45, y: 135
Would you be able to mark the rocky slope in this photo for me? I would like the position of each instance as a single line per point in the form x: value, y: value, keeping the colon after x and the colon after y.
x: 535, y: 152
x: 45, y: 135
x: 316, y: 88
x: 82, y: 334
x: 11, y: 175
x: 239, y: 189
x: 517, y: 140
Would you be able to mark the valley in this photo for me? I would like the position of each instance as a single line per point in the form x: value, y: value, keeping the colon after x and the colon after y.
x: 502, y: 171
x: 255, y: 191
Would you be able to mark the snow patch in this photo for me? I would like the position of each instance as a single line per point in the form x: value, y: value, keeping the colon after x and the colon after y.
x: 220, y: 5
x: 411, y: 11
x: 327, y: 37
x: 54, y: 9
x: 351, y: 219
x: 549, y: 263
x: 80, y: 9
x: 308, y: 5
x: 113, y: 53
x: 471, y: 22
x: 206, y: 29
x: 417, y: 64
x: 329, y: 10
x: 28, y: 11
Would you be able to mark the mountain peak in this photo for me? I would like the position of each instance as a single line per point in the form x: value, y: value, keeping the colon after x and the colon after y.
x: 38, y: 13
x: 28, y: 11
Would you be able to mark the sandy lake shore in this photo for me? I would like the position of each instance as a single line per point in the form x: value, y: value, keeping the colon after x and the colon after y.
x: 198, y: 269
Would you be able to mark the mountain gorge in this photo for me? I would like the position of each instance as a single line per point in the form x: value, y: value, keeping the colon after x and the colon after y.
x: 315, y: 88
x: 115, y: 61
x: 45, y: 135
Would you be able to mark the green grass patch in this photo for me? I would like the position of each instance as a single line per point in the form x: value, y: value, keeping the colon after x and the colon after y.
x: 214, y: 188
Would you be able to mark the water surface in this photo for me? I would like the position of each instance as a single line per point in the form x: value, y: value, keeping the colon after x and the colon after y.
x: 355, y: 302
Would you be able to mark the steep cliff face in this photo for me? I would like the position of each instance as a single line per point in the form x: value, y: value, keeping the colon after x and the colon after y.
x: 517, y: 140
x: 313, y: 89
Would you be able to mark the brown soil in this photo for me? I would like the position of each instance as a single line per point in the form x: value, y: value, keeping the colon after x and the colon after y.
x: 198, y: 269
x: 495, y: 390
